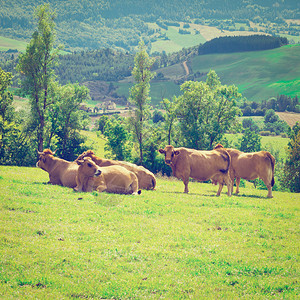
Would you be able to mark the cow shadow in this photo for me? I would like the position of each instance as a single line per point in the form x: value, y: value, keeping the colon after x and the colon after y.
x: 192, y: 194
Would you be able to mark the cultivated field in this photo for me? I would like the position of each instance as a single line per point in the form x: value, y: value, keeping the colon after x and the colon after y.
x: 290, y: 118
x: 163, y: 244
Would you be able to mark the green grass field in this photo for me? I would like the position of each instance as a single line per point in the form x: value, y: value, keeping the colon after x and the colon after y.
x: 177, y: 41
x: 158, y: 90
x: 259, y: 74
x: 7, y: 43
x: 163, y: 244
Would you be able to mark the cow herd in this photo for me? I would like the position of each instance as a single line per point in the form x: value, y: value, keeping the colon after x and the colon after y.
x: 221, y: 165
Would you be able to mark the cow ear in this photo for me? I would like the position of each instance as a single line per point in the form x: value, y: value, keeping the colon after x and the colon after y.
x: 80, y: 162
x: 176, y: 152
x: 162, y: 151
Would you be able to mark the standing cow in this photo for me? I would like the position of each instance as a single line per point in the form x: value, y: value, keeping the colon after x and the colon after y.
x: 200, y: 165
x: 250, y: 166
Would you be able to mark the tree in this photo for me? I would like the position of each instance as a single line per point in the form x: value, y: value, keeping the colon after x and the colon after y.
x: 36, y: 65
x: 206, y: 110
x: 270, y: 116
x: 6, y: 111
x: 249, y: 123
x: 170, y: 116
x: 14, y: 139
x: 117, y: 139
x: 291, y: 178
x: 139, y: 96
x: 273, y: 123
x: 64, y: 119
x: 251, y: 141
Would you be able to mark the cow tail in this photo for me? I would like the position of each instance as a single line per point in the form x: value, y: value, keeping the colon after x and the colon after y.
x: 272, y: 160
x: 227, y: 158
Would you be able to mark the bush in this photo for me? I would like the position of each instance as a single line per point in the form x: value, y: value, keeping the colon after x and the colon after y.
x: 265, y: 133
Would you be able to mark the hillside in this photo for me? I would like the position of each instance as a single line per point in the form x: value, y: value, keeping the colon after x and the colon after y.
x: 120, y: 24
x: 259, y: 75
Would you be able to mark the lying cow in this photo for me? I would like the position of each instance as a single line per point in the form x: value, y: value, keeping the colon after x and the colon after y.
x: 146, y: 179
x: 250, y: 166
x: 60, y: 171
x: 200, y: 165
x: 111, y: 179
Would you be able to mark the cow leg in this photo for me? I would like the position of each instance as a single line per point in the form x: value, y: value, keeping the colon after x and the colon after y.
x: 229, y: 185
x: 269, y: 191
x: 269, y: 187
x: 237, y: 181
x: 186, y: 183
x: 101, y: 188
x: 220, y: 189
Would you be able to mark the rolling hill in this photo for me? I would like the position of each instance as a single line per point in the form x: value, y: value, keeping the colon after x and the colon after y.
x: 259, y: 75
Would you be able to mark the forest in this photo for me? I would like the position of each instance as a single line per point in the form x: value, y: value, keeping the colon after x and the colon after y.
x: 120, y: 24
x: 241, y: 43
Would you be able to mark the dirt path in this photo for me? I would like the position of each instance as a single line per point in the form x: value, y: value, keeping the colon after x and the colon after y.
x: 187, y: 71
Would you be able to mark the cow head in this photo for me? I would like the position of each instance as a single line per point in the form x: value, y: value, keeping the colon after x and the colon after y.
x: 44, y: 158
x: 169, y: 153
x: 88, y: 153
x: 218, y: 146
x: 88, y: 168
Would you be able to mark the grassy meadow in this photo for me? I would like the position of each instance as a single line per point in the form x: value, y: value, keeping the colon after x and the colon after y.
x: 258, y: 74
x: 59, y: 244
x: 7, y: 43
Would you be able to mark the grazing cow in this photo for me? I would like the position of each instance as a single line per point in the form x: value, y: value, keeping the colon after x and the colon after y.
x: 111, y: 179
x: 250, y: 166
x: 200, y: 165
x: 60, y: 171
x: 146, y: 179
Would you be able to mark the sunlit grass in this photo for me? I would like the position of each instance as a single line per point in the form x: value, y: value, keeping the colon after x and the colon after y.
x: 56, y: 243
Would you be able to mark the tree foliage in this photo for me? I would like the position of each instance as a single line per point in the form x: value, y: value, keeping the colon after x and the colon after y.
x: 139, y: 96
x: 251, y: 141
x: 37, y: 64
x: 206, y: 110
x: 291, y: 178
x: 118, y: 142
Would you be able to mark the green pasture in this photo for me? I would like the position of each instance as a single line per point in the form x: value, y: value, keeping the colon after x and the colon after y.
x: 259, y: 74
x: 158, y: 90
x: 94, y: 142
x: 273, y: 144
x: 7, y: 43
x: 163, y: 244
x: 177, y: 41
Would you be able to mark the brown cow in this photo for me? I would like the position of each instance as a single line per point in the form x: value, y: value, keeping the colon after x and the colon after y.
x: 250, y: 166
x: 60, y: 171
x: 200, y: 165
x: 146, y: 179
x: 111, y: 179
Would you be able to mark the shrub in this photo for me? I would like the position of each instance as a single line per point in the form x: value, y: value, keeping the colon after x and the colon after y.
x: 265, y: 133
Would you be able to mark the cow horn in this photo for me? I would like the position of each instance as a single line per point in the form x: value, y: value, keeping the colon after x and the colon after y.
x: 40, y: 153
